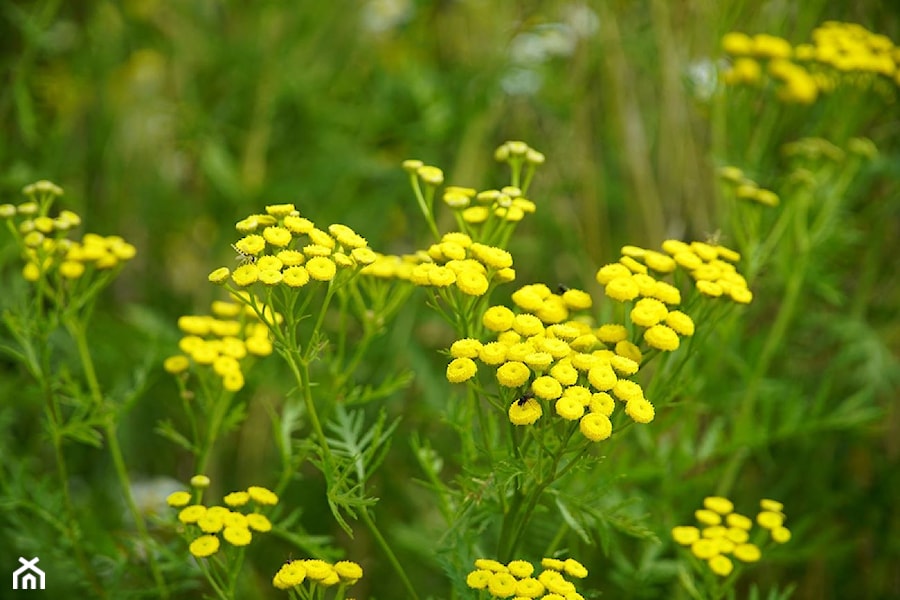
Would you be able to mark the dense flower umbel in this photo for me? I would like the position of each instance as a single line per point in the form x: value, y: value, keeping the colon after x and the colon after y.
x: 209, y: 523
x: 283, y: 248
x: 455, y: 262
x: 745, y: 188
x: 555, y: 361
x: 517, y: 579
x: 52, y: 258
x: 317, y: 573
x: 711, y: 266
x: 221, y: 341
x: 724, y: 534
x: 839, y: 54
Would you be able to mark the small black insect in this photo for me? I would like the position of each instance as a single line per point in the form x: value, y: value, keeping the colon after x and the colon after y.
x: 562, y: 288
x: 521, y: 401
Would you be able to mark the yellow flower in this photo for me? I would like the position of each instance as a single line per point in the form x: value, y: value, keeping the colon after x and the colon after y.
x: 602, y: 403
x: 739, y: 521
x: 200, y: 481
x: 465, y: 348
x: 318, y: 570
x: 595, y: 426
x: 612, y: 271
x: 575, y: 568
x: 364, y: 256
x: 513, y: 374
x: 705, y: 548
x: 478, y: 580
x: 781, y: 535
x: 680, y: 323
x: 178, y: 499
x: 769, y: 519
x: 490, y: 256
x: 648, y: 312
x: 529, y: 587
x: 564, y: 373
x: 430, y: 175
x: 298, y: 225
x: 233, y: 381
x: 296, y: 276
x: 245, y: 275
x: 721, y: 565
x: 661, y: 337
x: 71, y: 269
x: 191, y: 513
x: 498, y: 318
x: 623, y: 365
x: 611, y: 333
x: 685, y: 535
x: 277, y: 236
x: 602, y: 377
x: 280, y: 210
x: 569, y: 408
x: 709, y: 288
x: 502, y: 585
x: 627, y: 390
x: 492, y: 353
x: 491, y: 565
x: 219, y: 275
x: 289, y: 575
x: 251, y: 244
x: 577, y: 299
x: 737, y: 535
x: 258, y: 522
x: 262, y: 495
x: 348, y: 571
x: 472, y: 283
x: 176, y: 364
x: 210, y: 523
x: 520, y: 568
x: 237, y: 499
x: 708, y: 517
x: 237, y: 536
x: 527, y: 325
x: 461, y: 369
x: 718, y: 504
x: 622, y: 289
x: 321, y: 268
x: 546, y: 387
x: 525, y: 411
x: 205, y: 545
x: 640, y: 410
x: 747, y: 552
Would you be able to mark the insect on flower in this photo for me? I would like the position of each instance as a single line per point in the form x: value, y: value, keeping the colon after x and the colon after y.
x: 521, y: 401
x: 242, y: 256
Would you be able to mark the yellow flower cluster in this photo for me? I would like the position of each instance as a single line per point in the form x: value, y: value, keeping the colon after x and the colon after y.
x: 547, y: 354
x: 318, y: 573
x: 49, y: 253
x: 710, y: 265
x: 283, y: 248
x: 455, y: 261
x: 745, y: 188
x: 234, y: 526
x: 516, y: 579
x: 506, y: 204
x: 726, y: 533
x: 839, y: 53
x: 221, y: 341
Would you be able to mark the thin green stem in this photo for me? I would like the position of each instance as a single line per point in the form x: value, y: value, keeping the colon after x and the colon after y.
x: 392, y: 558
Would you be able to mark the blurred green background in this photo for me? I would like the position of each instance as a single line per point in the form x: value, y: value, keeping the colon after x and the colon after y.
x: 166, y: 122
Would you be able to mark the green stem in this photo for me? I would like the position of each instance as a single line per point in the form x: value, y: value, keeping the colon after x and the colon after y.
x: 77, y: 331
x: 398, y: 568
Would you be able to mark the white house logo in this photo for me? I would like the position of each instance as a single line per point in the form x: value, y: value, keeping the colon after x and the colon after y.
x: 28, y: 576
